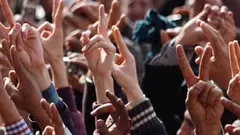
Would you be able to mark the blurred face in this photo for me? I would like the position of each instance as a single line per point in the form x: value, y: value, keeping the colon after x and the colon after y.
x: 138, y: 8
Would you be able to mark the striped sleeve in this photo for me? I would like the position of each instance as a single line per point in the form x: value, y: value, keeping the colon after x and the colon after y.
x: 18, y: 128
x: 144, y: 119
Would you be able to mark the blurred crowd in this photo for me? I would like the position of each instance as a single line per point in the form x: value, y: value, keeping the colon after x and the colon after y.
x: 119, y: 67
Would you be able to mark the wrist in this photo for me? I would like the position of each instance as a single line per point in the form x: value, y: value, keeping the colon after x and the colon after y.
x: 103, y: 83
x: 42, y: 77
x: 133, y: 94
x: 179, y: 39
x: 59, y: 73
x: 9, y: 112
x: 42, y: 119
x: 56, y: 60
x: 208, y: 129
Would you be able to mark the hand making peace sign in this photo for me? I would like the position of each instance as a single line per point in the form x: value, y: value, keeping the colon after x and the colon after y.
x: 203, y: 98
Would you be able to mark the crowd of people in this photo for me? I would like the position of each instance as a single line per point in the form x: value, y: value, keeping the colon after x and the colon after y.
x: 119, y: 67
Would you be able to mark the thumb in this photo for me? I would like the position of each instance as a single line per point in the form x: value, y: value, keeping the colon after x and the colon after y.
x: 101, y: 127
x: 199, y: 51
x: 48, y: 130
x: 229, y: 129
x: 231, y: 106
x: 204, y: 13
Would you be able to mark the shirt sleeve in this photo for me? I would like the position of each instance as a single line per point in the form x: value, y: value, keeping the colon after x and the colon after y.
x: 18, y: 128
x: 168, y: 57
x: 144, y: 119
x: 66, y: 93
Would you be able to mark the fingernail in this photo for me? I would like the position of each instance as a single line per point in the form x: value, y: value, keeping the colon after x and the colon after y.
x: 100, y: 124
x: 84, y: 48
x: 201, y: 85
x: 92, y: 113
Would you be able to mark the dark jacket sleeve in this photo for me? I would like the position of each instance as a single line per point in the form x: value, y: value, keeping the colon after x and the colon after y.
x: 145, y: 121
x: 162, y: 85
x: 66, y: 94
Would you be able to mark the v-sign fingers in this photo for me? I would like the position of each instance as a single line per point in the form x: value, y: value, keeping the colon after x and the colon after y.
x: 233, y: 59
x: 7, y: 13
x: 187, y: 72
x: 113, y: 14
x: 58, y: 15
x: 237, y: 51
x: 205, y: 64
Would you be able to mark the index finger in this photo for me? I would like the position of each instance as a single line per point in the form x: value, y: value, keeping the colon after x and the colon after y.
x: 58, y: 15
x: 102, y: 27
x: 7, y: 12
x: 113, y: 99
x: 205, y: 64
x: 122, y: 47
x: 185, y: 67
x: 233, y: 59
x: 112, y: 14
x: 231, y: 106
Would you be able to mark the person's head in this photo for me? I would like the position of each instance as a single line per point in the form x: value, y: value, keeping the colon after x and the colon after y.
x: 137, y: 9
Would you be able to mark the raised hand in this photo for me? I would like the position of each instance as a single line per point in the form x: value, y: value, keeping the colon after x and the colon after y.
x: 234, y: 85
x: 98, y: 50
x: 56, y: 127
x: 219, y: 60
x: 88, y: 9
x: 191, y: 34
x: 30, y: 50
x: 8, y: 110
x: 119, y: 114
x: 222, y: 20
x: 124, y: 69
x: 85, y: 12
x: 113, y: 19
x: 26, y: 93
x: 203, y: 98
x: 9, y: 17
x: 52, y: 34
x: 199, y: 4
x: 28, y: 44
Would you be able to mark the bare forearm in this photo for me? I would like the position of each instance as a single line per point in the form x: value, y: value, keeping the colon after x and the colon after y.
x: 9, y: 112
x: 134, y: 94
x: 42, y: 77
x: 103, y: 83
x: 59, y: 73
x: 208, y: 130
